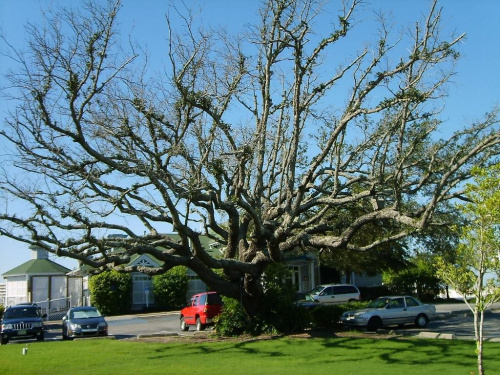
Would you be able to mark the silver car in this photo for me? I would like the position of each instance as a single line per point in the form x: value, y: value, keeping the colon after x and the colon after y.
x: 386, y: 311
x: 83, y: 321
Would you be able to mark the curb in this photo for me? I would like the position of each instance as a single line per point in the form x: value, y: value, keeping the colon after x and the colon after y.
x: 145, y: 336
x: 435, y: 335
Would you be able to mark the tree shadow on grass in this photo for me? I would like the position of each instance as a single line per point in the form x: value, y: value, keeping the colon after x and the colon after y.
x: 213, y: 347
x: 406, y: 351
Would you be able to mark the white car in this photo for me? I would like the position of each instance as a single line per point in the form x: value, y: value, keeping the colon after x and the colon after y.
x: 386, y: 311
x: 335, y: 293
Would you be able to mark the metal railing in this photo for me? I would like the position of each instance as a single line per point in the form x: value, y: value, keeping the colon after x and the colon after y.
x: 55, y: 308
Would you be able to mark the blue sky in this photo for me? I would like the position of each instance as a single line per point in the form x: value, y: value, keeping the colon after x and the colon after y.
x: 476, y: 87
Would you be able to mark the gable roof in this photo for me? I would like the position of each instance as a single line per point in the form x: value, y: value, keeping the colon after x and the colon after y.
x: 146, y: 260
x: 208, y: 244
x: 37, y: 267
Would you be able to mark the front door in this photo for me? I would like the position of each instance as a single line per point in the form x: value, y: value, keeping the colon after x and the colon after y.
x: 142, y: 290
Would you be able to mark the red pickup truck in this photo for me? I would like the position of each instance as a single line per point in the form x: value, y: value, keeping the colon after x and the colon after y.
x: 201, y: 311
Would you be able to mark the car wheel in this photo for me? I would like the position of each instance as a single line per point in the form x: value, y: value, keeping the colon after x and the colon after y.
x: 199, y: 326
x: 421, y: 321
x: 184, y: 326
x: 374, y: 324
x: 40, y: 338
x: 5, y: 341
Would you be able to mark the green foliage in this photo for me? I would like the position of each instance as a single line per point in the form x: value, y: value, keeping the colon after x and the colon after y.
x: 476, y: 267
x: 170, y: 288
x: 279, y: 315
x: 280, y: 295
x: 419, y: 277
x: 478, y: 251
x: 2, y: 309
x: 328, y: 316
x: 233, y: 321
x: 369, y: 293
x: 111, y: 292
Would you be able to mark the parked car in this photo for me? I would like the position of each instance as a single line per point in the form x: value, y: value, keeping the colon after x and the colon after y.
x: 386, y: 311
x: 201, y: 311
x: 22, y: 321
x: 83, y: 321
x: 305, y: 300
x: 335, y: 293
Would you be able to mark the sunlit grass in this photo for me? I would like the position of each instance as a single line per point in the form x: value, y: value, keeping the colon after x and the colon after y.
x: 279, y: 356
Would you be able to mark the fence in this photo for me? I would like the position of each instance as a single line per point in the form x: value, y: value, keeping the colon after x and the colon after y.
x: 56, y: 308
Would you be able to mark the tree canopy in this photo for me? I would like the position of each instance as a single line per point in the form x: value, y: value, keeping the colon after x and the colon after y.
x: 261, y: 141
x: 475, y: 272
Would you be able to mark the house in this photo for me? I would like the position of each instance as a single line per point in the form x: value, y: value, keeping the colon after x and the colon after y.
x: 40, y: 280
x: 2, y: 294
x: 305, y: 275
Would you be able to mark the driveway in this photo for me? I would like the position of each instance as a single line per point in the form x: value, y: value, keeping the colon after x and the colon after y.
x: 454, y: 319
x: 457, y: 319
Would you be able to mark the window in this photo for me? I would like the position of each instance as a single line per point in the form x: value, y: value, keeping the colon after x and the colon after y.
x: 410, y: 302
x: 327, y: 291
x: 345, y: 289
x: 396, y: 303
x: 214, y: 299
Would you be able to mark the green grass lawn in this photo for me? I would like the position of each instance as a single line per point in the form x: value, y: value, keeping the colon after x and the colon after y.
x: 279, y: 356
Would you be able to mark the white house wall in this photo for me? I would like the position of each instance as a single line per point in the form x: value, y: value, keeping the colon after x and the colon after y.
x: 40, y: 288
x: 16, y: 290
x: 75, y: 291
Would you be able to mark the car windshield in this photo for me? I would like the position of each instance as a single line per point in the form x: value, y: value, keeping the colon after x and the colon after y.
x: 21, y: 313
x: 379, y: 303
x: 308, y: 297
x: 303, y: 296
x: 84, y: 314
x: 318, y: 289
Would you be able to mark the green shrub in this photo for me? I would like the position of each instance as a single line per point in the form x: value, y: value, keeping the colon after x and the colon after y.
x: 328, y: 316
x: 111, y: 292
x: 233, y: 321
x: 2, y: 309
x: 418, y: 278
x: 170, y: 288
x: 279, y: 314
x: 369, y: 293
x: 279, y: 298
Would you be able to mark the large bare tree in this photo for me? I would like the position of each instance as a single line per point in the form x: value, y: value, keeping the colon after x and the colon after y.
x: 261, y: 141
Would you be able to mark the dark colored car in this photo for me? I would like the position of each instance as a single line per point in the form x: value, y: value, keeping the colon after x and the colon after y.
x: 83, y: 321
x: 201, y: 311
x: 21, y: 322
x: 305, y: 300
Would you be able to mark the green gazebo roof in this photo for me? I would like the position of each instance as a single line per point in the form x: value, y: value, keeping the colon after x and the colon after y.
x: 37, y: 267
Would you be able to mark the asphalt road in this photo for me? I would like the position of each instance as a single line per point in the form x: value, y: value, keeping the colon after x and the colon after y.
x: 457, y: 319
x: 128, y: 326
x: 453, y: 319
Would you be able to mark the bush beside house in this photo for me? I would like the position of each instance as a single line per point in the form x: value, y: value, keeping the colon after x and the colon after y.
x: 418, y: 278
x: 170, y: 288
x: 111, y: 292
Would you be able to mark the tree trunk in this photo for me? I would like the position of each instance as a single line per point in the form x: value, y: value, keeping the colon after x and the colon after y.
x: 478, y: 325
